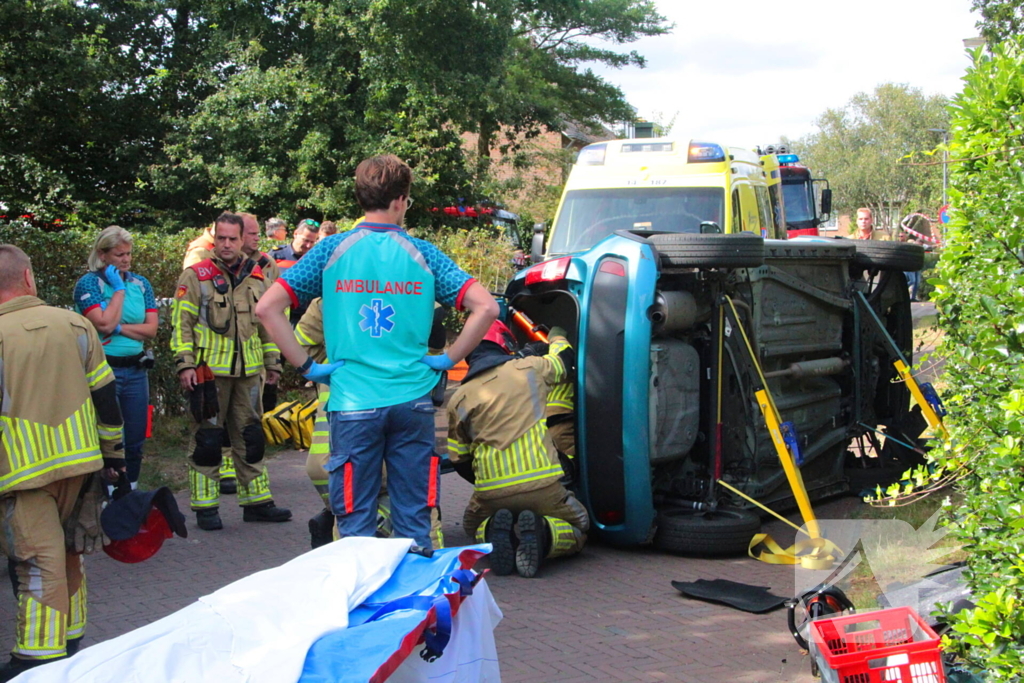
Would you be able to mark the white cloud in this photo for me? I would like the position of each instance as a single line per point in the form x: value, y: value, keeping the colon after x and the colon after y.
x: 747, y: 72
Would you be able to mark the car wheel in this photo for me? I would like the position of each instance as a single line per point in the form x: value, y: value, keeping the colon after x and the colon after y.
x: 889, y: 255
x: 709, y: 251
x: 726, y: 531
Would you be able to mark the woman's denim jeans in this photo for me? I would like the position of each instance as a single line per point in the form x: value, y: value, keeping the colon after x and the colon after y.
x: 133, y: 397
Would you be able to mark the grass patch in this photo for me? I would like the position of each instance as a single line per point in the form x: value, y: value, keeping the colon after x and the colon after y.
x: 897, y: 557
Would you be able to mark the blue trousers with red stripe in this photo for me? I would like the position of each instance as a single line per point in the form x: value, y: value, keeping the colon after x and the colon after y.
x: 400, y: 436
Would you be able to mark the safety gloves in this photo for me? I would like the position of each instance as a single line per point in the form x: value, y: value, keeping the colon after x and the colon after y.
x: 113, y: 278
x: 83, y: 533
x: 320, y: 372
x: 203, y: 398
x: 439, y: 362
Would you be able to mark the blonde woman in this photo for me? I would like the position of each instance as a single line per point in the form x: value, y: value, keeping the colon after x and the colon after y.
x: 121, y: 305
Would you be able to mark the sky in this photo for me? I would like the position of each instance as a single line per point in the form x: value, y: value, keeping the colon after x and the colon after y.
x: 746, y: 72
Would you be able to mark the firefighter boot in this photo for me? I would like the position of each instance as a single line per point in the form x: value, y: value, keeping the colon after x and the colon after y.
x: 321, y: 529
x: 534, y: 542
x: 265, y: 512
x: 499, y: 534
x: 208, y: 519
x: 229, y: 487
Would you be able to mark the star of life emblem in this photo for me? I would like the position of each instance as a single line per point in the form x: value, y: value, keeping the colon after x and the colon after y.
x: 376, y: 318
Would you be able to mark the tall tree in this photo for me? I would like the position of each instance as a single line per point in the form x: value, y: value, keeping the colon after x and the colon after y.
x: 1000, y: 19
x: 543, y: 81
x: 873, y: 151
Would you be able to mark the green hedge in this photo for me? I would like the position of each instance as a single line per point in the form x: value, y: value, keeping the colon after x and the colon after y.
x: 59, y: 259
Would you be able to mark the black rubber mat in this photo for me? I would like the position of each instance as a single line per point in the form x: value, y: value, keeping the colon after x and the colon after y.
x: 754, y: 599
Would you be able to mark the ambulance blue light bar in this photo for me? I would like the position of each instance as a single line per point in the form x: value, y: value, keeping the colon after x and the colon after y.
x: 592, y: 155
x: 788, y: 159
x: 703, y: 152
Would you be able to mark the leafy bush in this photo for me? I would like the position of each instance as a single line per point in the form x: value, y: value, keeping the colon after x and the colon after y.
x: 980, y: 296
x: 59, y: 259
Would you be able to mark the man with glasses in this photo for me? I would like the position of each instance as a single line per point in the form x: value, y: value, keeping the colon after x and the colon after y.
x: 379, y: 286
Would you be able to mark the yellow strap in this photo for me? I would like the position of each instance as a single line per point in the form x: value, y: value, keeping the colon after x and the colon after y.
x: 930, y: 416
x: 822, y: 553
x: 793, y: 475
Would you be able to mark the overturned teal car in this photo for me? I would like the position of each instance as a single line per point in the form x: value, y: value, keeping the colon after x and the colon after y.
x: 659, y: 252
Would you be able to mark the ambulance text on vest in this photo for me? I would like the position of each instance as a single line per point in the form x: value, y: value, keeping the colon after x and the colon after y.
x: 374, y: 287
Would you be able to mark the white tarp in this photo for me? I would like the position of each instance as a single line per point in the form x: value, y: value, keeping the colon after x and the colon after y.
x: 256, y: 630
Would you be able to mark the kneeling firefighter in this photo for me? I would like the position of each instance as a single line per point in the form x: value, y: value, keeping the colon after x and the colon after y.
x: 310, y: 334
x: 498, y: 439
x: 221, y: 352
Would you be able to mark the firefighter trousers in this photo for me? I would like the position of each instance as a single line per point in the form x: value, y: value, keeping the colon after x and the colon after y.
x: 239, y: 400
x: 566, y: 518
x: 50, y: 580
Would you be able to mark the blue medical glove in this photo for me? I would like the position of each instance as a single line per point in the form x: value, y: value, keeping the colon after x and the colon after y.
x: 113, y: 278
x: 116, y: 330
x: 439, y: 362
x: 321, y: 372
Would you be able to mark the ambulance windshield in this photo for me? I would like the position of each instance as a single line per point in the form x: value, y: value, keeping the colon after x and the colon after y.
x: 588, y: 216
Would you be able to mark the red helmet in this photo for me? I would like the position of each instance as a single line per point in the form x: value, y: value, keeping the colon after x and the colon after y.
x: 143, y: 545
x: 502, y: 336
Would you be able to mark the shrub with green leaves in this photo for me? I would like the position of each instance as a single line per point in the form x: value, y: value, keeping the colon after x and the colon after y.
x: 59, y: 259
x: 980, y: 295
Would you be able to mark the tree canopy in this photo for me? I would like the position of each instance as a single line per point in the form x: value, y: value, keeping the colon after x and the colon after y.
x: 1000, y: 19
x: 872, y: 151
x: 170, y: 110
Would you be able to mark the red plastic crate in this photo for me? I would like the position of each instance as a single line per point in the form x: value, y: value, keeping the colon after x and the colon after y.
x: 886, y: 646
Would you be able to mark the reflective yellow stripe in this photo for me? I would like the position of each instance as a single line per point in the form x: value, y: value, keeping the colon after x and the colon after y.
x: 303, y: 338
x: 178, y: 343
x: 33, y: 448
x: 561, y: 396
x: 526, y: 459
x: 257, y: 491
x: 41, y: 630
x: 204, y: 491
x: 101, y: 372
x: 563, y: 537
x: 457, y: 447
x: 79, y: 611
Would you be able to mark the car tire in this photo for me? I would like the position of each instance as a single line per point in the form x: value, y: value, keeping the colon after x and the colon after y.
x: 726, y: 531
x: 739, y: 250
x: 889, y: 255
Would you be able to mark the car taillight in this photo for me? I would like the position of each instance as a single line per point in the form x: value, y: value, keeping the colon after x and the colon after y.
x: 611, y: 517
x: 613, y: 267
x: 549, y: 271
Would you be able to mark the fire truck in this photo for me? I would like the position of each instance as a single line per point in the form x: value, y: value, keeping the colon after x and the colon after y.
x: 808, y: 201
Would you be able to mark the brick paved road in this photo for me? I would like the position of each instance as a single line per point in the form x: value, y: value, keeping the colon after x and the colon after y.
x: 607, y: 615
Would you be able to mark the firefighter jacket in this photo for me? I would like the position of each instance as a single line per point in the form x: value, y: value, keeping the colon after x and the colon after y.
x: 199, y: 249
x: 59, y: 415
x: 214, y: 318
x: 268, y: 265
x: 497, y: 420
x: 310, y: 330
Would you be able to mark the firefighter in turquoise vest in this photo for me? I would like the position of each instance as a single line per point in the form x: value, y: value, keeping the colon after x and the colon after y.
x: 379, y: 286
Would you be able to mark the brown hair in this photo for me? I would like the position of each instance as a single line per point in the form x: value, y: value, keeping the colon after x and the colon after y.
x: 230, y: 219
x: 13, y: 263
x: 380, y: 180
x: 328, y: 228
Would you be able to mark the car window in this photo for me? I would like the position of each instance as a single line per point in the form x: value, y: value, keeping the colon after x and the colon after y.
x: 588, y: 216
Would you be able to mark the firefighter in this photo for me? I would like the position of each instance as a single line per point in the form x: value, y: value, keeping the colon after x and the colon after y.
x: 62, y: 429
x: 251, y: 249
x: 498, y: 439
x: 310, y: 333
x: 216, y: 332
x: 200, y: 248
